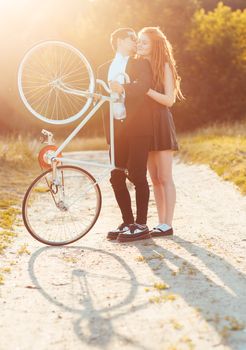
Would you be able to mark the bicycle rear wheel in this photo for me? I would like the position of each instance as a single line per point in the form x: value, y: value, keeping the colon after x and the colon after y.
x: 46, y: 73
x: 61, y: 213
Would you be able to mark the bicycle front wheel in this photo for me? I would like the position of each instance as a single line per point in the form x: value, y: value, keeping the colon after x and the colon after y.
x: 62, y: 210
x: 47, y: 74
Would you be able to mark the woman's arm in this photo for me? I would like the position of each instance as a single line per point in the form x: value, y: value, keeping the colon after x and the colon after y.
x: 141, y: 86
x: 169, y: 97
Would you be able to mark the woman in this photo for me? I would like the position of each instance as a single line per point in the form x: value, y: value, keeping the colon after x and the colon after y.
x: 154, y: 46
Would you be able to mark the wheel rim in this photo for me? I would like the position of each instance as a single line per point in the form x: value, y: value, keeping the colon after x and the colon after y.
x: 44, y: 69
x: 66, y: 216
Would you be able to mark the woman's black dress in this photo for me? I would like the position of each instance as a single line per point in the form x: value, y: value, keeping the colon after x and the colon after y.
x: 164, y: 135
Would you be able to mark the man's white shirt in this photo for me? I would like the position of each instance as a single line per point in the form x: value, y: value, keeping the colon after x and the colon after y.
x: 117, y: 67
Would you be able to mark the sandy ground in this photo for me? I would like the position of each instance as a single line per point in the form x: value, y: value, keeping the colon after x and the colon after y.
x: 97, y: 294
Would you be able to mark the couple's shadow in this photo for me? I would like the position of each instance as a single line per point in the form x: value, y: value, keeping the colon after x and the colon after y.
x: 93, y: 316
x: 216, y: 288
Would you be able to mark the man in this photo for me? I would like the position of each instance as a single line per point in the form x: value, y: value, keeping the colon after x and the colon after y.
x: 133, y: 131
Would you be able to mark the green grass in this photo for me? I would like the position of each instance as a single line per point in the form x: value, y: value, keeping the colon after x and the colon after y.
x: 17, y: 150
x: 222, y: 147
x: 6, y: 238
x: 18, y: 168
x: 24, y: 150
x: 23, y: 250
x: 162, y: 298
x: 8, y: 217
x: 161, y: 286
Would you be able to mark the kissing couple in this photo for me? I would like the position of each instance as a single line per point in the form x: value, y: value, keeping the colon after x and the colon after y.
x: 145, y: 136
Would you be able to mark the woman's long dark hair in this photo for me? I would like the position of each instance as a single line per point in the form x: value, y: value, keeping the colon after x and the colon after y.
x: 162, y: 53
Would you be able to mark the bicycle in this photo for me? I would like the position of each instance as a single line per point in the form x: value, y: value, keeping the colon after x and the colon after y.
x: 57, y: 85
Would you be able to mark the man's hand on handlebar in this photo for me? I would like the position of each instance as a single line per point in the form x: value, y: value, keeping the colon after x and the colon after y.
x: 115, y: 86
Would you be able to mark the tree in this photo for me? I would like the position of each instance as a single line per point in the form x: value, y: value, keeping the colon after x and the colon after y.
x: 215, y: 60
x: 212, y: 4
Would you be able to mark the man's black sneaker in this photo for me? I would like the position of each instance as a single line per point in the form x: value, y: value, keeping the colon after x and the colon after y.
x: 135, y: 232
x: 120, y: 229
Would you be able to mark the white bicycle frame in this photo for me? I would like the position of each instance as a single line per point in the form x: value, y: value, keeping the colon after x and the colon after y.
x: 102, y: 99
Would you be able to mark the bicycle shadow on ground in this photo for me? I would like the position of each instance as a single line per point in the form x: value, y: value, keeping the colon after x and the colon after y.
x: 73, y: 287
x: 217, y: 290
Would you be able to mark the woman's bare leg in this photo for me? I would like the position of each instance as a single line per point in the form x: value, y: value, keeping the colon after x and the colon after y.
x: 159, y: 192
x: 165, y: 178
x: 160, y: 170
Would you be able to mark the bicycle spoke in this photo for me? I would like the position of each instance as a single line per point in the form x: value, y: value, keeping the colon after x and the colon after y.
x: 50, y: 217
x: 44, y: 70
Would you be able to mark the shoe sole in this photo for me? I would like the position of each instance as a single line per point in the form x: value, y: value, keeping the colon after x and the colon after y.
x: 162, y: 234
x: 131, y: 239
x: 112, y: 237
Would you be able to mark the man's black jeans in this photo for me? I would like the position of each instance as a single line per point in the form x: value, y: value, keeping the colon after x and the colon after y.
x: 131, y: 152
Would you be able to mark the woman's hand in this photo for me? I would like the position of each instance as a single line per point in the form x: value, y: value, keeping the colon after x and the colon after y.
x: 164, y: 99
x: 169, y: 98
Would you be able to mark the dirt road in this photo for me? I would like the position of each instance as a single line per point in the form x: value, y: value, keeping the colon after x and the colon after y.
x: 183, y: 292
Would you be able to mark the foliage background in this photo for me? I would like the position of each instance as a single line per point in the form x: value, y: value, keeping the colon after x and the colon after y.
x: 208, y: 37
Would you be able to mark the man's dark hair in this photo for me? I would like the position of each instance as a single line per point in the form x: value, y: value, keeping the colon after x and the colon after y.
x: 120, y: 33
